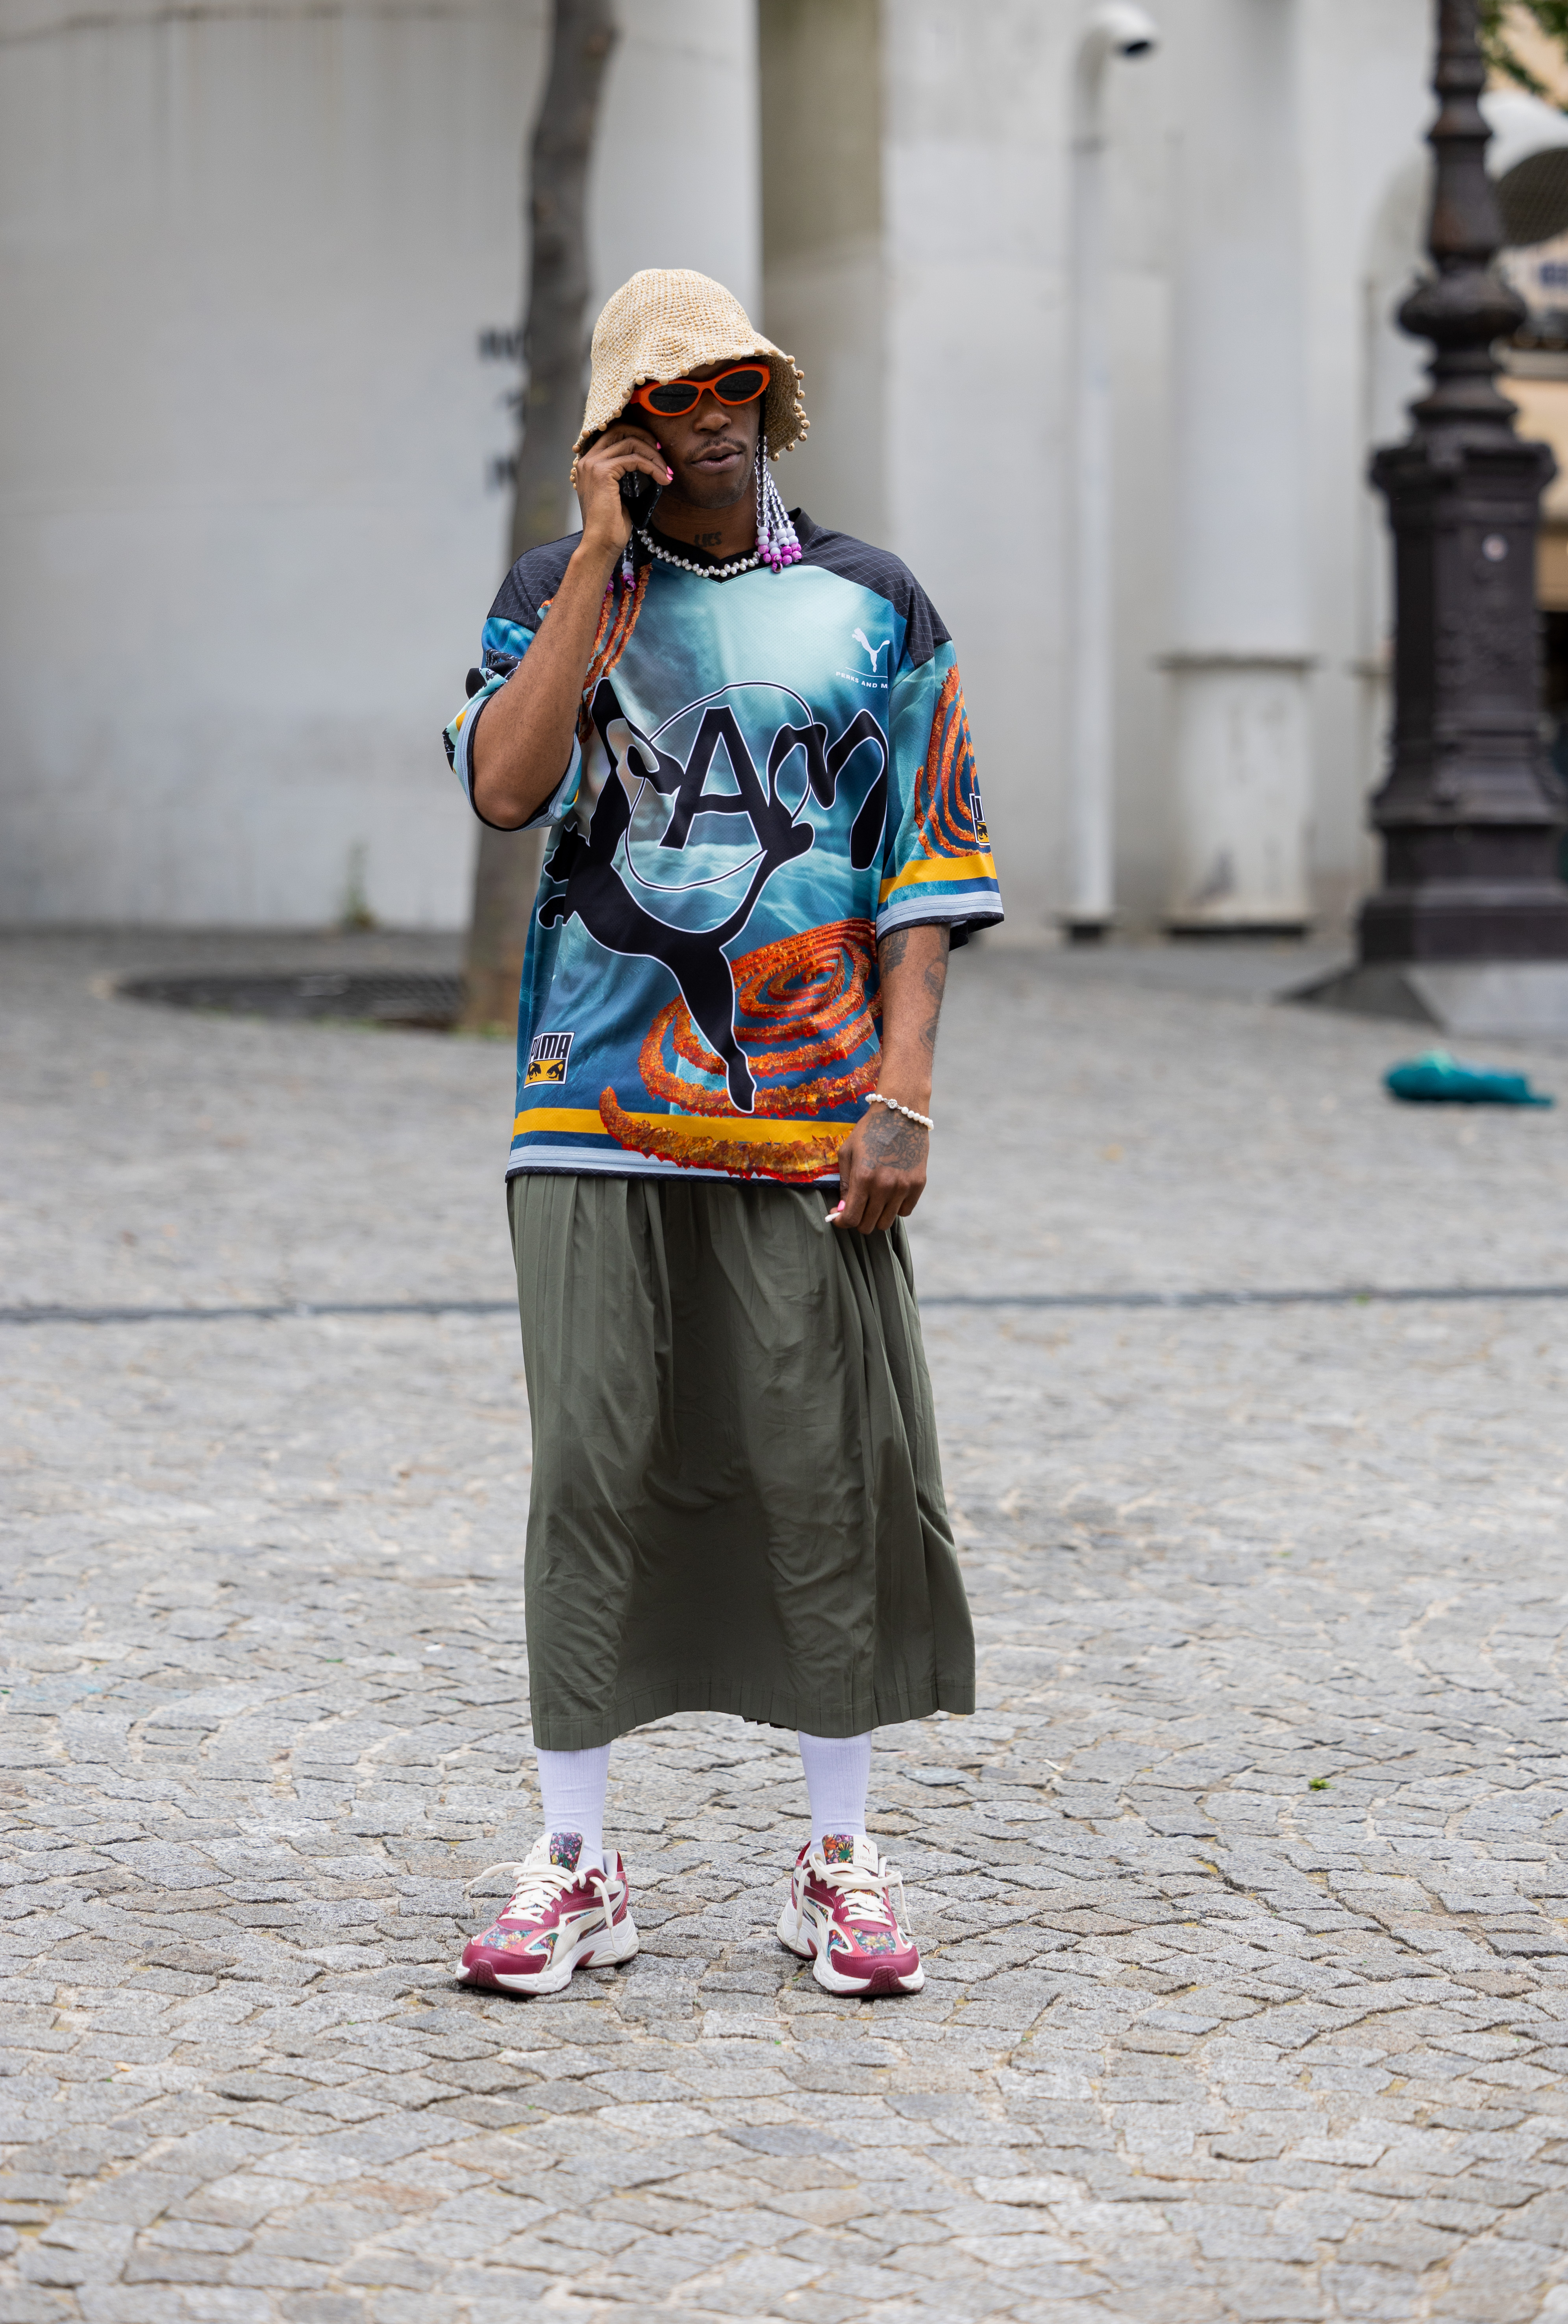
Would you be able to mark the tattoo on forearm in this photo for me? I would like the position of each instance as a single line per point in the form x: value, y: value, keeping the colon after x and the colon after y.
x: 936, y: 985
x: 891, y: 953
x: 889, y: 1139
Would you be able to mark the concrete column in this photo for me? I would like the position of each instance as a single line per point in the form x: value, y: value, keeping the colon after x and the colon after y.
x: 1242, y: 756
x: 823, y: 269
x: 1113, y: 28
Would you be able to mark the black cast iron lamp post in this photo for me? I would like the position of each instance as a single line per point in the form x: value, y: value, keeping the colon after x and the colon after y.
x: 1471, y: 811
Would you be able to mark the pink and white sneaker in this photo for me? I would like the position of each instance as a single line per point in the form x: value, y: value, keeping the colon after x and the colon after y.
x: 557, y: 1921
x: 840, y: 1915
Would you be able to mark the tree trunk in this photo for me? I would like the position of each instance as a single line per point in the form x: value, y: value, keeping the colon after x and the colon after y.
x: 506, y: 874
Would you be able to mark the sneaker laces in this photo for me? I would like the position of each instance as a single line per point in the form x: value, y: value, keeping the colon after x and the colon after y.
x: 867, y: 1895
x: 538, y: 1886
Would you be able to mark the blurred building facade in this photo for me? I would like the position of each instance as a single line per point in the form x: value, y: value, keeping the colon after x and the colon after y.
x: 255, y: 260
x: 261, y: 269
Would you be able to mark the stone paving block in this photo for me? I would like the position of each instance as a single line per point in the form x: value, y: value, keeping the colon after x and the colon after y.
x: 155, y: 2266
x: 21, y: 2304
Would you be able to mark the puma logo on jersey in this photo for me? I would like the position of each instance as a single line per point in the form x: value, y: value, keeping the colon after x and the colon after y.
x: 547, y: 1058
x: 861, y: 639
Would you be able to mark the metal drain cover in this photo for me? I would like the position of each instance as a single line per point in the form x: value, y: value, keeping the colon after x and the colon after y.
x: 428, y: 1001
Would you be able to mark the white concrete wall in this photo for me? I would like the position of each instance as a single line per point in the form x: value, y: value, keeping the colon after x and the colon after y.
x: 1142, y: 172
x: 1366, y: 107
x: 676, y: 179
x: 971, y: 118
x: 975, y: 209
x: 974, y: 127
x: 246, y: 533
x: 1241, y: 650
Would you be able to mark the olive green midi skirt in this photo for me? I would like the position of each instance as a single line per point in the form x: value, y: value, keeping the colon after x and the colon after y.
x: 737, y: 1502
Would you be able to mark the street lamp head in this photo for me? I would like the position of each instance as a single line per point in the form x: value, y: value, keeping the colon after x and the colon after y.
x: 1122, y: 29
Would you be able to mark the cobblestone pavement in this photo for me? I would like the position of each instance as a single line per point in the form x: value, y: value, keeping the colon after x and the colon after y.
x: 1242, y: 1897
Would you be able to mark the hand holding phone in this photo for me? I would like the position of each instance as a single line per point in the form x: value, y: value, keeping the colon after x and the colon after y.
x: 619, y: 463
x: 637, y: 493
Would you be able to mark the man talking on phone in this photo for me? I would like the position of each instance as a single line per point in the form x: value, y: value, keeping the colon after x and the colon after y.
x: 747, y: 737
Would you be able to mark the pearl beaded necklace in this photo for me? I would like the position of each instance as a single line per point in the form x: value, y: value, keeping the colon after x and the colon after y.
x: 709, y: 572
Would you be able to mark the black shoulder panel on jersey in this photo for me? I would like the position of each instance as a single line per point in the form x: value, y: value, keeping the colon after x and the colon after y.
x: 532, y: 581
x: 879, y: 569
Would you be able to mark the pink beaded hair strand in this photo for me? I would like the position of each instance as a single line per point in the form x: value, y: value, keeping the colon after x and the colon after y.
x: 778, y: 543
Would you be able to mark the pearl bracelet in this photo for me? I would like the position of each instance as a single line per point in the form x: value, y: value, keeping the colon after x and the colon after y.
x: 875, y: 1097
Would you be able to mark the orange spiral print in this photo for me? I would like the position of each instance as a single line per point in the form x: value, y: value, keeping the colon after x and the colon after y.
x: 673, y: 1137
x: 945, y: 795
x: 798, y: 1003
x: 812, y: 984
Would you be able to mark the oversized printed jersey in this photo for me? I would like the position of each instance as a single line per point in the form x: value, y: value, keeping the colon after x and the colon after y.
x: 770, y: 773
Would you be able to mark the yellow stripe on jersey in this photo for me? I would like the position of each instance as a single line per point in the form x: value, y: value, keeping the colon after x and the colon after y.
x: 567, y: 1121
x: 939, y: 867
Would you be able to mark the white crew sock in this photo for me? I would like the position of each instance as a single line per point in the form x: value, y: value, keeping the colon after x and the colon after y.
x: 838, y: 1770
x: 573, y: 1785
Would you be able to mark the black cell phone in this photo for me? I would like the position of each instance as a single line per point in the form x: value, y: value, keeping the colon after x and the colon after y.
x: 637, y: 493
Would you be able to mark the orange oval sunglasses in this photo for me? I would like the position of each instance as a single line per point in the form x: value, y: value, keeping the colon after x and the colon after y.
x: 670, y: 398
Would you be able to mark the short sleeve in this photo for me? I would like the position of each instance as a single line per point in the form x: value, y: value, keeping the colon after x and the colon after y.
x: 936, y: 862
x: 501, y: 647
x: 521, y: 605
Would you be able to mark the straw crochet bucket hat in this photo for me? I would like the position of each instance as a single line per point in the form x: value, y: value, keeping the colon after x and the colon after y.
x: 668, y: 321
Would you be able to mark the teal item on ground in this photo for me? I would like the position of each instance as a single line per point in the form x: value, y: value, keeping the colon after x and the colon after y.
x: 1438, y: 1079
